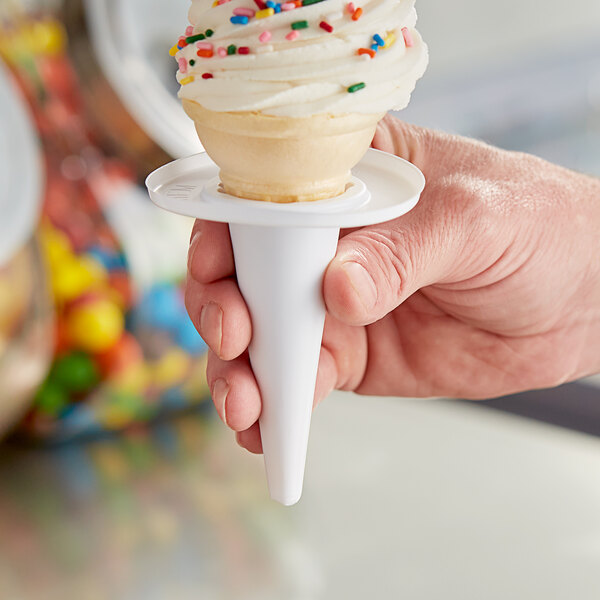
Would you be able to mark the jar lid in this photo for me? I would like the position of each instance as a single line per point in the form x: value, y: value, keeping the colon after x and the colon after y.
x: 131, y: 42
x: 20, y: 170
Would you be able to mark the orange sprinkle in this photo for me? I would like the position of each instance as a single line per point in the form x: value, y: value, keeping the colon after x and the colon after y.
x: 368, y: 51
x: 298, y: 3
x: 356, y: 15
x: 204, y: 53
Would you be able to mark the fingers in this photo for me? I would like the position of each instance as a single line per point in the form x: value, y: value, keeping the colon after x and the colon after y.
x: 210, y: 256
x: 220, y: 314
x: 250, y: 439
x: 243, y: 406
x: 377, y: 268
x: 212, y: 297
x: 407, y: 141
x: 234, y: 391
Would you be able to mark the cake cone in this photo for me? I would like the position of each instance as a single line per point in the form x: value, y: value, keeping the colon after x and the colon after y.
x: 283, y: 159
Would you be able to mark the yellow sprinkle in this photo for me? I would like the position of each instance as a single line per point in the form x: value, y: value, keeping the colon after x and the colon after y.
x: 265, y: 12
x: 389, y: 40
x: 187, y: 80
x: 174, y: 50
x: 215, y: 3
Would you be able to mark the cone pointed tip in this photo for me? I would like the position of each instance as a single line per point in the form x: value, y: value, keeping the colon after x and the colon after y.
x: 287, y: 499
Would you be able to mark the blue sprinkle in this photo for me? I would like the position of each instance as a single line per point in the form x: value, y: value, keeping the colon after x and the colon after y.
x: 374, y: 47
x: 239, y: 20
x: 270, y: 4
x: 277, y: 8
x: 378, y: 39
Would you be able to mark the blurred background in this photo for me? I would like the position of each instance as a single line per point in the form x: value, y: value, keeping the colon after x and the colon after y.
x: 116, y: 479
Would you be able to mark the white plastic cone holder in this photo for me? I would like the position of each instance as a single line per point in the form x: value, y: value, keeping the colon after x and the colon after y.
x: 281, y: 252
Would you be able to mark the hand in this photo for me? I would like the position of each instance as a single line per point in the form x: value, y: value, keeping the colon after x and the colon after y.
x: 490, y: 286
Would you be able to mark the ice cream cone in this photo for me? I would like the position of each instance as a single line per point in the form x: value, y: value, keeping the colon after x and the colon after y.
x: 283, y: 159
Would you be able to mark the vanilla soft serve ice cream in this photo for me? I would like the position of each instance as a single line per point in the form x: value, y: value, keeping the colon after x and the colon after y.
x: 286, y: 96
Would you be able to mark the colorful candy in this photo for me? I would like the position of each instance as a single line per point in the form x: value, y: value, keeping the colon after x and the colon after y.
x: 244, y: 12
x: 407, y: 37
x: 292, y: 35
x: 76, y: 372
x: 356, y: 87
x: 95, y: 325
x: 265, y: 36
x: 264, y: 13
x: 389, y: 40
x: 239, y: 20
x: 326, y: 26
x: 370, y: 52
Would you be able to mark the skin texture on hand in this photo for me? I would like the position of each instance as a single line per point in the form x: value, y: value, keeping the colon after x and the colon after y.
x: 490, y: 286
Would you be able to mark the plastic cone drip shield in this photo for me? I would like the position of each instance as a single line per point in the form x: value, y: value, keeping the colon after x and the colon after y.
x: 280, y: 272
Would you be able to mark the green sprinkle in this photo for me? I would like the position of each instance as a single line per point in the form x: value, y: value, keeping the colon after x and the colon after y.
x: 209, y: 32
x: 195, y: 38
x: 309, y: 2
x: 299, y: 24
x: 231, y: 49
x: 192, y: 62
x: 356, y: 87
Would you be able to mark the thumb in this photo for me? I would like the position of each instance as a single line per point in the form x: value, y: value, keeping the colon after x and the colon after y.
x: 376, y: 268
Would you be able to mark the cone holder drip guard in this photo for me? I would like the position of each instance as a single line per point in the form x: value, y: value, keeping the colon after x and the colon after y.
x: 281, y: 252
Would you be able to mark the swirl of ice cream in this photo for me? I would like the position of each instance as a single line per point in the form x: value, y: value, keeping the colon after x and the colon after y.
x: 302, y: 57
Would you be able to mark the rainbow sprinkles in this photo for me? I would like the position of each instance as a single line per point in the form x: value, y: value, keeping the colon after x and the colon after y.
x: 242, y: 15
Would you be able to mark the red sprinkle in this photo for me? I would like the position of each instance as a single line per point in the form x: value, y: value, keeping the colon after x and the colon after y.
x: 243, y: 50
x: 205, y: 53
x: 181, y: 42
x: 326, y: 26
x: 207, y: 75
x: 357, y: 14
x: 261, y: 5
x: 368, y: 51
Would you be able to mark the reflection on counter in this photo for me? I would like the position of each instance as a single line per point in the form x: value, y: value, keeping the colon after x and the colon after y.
x: 156, y: 513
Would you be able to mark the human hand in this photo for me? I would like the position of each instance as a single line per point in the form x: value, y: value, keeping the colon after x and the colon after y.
x: 490, y: 286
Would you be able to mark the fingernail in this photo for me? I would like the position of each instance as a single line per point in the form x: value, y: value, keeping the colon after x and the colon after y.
x: 211, y: 326
x: 362, y: 283
x: 219, y: 392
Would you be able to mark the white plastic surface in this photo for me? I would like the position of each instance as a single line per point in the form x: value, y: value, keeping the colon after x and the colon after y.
x: 20, y: 170
x: 281, y: 252
x: 131, y: 39
x: 187, y: 186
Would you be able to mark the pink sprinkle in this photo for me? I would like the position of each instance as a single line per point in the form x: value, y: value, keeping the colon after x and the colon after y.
x: 244, y: 12
x: 288, y: 6
x: 350, y: 7
x: 292, y: 35
x: 204, y: 46
x: 182, y: 65
x: 222, y: 1
x: 189, y: 30
x: 265, y: 36
x: 407, y: 38
x: 221, y: 51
